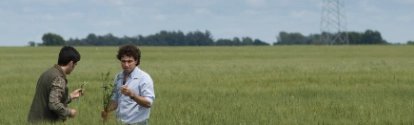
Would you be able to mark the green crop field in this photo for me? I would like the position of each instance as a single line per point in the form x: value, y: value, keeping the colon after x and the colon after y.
x: 287, y: 85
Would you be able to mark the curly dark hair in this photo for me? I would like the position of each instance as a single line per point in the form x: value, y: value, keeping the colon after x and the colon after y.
x: 129, y: 50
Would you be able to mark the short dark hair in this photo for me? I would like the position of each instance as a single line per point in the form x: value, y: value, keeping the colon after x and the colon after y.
x: 129, y: 50
x: 67, y: 54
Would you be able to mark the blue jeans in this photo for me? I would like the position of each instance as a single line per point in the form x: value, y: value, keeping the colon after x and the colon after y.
x: 145, y: 122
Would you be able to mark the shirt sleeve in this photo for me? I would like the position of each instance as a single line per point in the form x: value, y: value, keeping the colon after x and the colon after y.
x: 148, y: 89
x: 55, y: 97
x: 115, y: 95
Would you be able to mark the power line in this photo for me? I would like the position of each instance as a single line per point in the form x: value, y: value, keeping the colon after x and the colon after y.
x: 333, y: 23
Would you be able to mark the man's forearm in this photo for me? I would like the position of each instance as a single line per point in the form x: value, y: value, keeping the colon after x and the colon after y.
x: 59, y: 109
x: 55, y: 98
x: 142, y: 101
x: 112, y: 106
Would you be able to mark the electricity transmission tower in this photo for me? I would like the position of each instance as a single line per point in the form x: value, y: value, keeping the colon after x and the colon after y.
x: 333, y: 23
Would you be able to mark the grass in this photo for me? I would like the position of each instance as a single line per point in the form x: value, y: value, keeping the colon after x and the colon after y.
x: 301, y: 85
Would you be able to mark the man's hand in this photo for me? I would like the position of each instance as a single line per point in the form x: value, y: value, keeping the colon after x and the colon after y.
x: 126, y: 91
x: 104, y: 114
x: 75, y: 94
x: 73, y: 114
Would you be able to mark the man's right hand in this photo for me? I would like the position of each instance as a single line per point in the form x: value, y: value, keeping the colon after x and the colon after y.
x: 73, y: 114
x: 104, y: 114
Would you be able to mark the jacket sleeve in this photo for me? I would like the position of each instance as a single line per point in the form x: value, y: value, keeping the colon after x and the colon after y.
x: 55, y: 97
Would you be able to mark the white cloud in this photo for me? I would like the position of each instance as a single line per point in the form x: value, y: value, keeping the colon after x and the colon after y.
x: 303, y: 14
x: 129, y: 13
x: 405, y: 18
x: 256, y: 3
x: 49, y: 2
x: 2, y: 12
x: 201, y: 11
x: 73, y: 15
x: 405, y: 1
x: 160, y: 17
x: 288, y: 2
x: 198, y: 3
x: 48, y: 17
x: 369, y: 6
x: 118, y: 2
x: 108, y: 23
x: 372, y: 9
x: 111, y: 2
x: 51, y: 17
x: 28, y: 9
x: 251, y: 12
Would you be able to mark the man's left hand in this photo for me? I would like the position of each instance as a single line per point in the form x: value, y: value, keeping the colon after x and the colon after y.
x: 78, y: 92
x: 126, y: 91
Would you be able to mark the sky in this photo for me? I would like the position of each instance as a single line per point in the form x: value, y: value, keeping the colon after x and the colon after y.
x: 22, y: 21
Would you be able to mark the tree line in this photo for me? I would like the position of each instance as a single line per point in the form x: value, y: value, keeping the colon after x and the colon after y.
x: 163, y: 38
x: 198, y: 38
x: 354, y: 38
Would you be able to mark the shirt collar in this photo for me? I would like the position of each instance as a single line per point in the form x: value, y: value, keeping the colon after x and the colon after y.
x: 60, y: 70
x: 133, y: 73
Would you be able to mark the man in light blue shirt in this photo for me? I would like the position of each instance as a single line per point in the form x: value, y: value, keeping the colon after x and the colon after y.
x: 134, y: 90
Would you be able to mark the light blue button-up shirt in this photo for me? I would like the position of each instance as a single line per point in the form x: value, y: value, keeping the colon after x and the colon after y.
x: 128, y: 111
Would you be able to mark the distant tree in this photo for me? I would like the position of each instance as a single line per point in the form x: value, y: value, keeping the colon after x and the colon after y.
x: 236, y: 41
x: 354, y: 38
x: 367, y: 37
x: 258, y: 42
x: 410, y: 42
x: 372, y: 37
x: 110, y: 39
x: 92, y: 39
x: 246, y: 41
x: 177, y: 39
x: 199, y: 38
x: 32, y: 43
x: 51, y: 39
x: 282, y: 38
x: 314, y: 39
x: 290, y: 38
x: 224, y: 42
x: 75, y: 42
x: 207, y: 39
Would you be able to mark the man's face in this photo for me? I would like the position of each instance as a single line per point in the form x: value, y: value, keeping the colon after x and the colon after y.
x: 71, y: 67
x: 128, y: 63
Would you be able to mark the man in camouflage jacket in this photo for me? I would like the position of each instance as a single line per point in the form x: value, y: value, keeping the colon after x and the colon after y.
x: 51, y: 96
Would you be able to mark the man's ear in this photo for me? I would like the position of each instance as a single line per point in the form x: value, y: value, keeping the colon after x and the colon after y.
x: 71, y: 63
